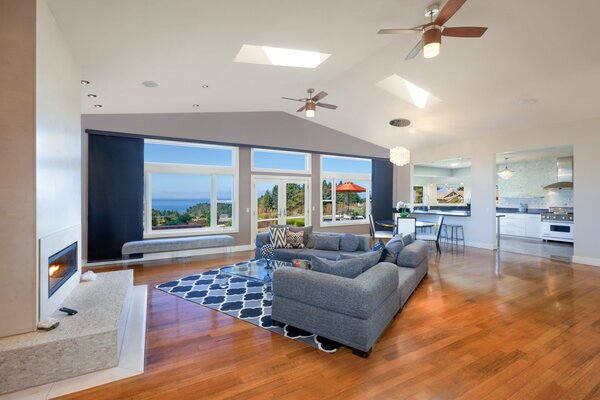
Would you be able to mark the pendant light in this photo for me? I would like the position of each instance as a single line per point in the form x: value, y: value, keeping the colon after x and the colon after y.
x: 399, y: 156
x: 506, y: 173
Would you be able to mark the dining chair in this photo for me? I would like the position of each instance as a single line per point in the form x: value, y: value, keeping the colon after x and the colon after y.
x: 406, y: 226
x: 435, y: 236
x: 375, y: 234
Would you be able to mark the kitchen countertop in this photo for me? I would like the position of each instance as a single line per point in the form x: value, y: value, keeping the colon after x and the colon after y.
x: 444, y: 213
x: 516, y: 210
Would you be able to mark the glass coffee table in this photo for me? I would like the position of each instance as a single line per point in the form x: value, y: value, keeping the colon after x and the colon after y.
x: 258, y: 269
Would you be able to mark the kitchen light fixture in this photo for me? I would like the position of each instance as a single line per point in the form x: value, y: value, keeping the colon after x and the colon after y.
x: 195, y: 105
x: 150, y: 84
x: 506, y: 173
x: 432, y: 39
x: 92, y: 96
x: 85, y: 82
x: 204, y: 86
x: 310, y: 109
x: 399, y: 156
x: 98, y: 105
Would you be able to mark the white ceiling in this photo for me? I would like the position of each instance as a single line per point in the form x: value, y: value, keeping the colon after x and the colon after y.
x: 535, y: 154
x: 543, y: 49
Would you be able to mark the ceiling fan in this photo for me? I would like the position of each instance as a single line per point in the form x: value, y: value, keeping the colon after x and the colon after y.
x: 312, y: 102
x: 432, y: 32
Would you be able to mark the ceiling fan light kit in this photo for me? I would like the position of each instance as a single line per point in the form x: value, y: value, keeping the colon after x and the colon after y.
x: 310, y: 109
x: 432, y: 40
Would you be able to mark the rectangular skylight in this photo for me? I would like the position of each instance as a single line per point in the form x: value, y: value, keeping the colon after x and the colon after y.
x: 407, y: 91
x: 279, y: 56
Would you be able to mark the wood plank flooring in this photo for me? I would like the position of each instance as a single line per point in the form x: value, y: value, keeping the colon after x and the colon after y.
x: 528, y: 328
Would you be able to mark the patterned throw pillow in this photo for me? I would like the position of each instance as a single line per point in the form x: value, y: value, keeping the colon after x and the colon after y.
x: 278, y: 236
x: 294, y: 240
x: 380, y: 246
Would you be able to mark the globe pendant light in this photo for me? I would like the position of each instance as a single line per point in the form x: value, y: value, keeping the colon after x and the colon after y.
x: 399, y: 156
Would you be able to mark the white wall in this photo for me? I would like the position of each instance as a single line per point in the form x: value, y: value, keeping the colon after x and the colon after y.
x: 58, y: 146
x: 585, y: 138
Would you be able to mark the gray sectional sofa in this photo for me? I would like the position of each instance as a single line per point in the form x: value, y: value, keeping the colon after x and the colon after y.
x: 350, y: 311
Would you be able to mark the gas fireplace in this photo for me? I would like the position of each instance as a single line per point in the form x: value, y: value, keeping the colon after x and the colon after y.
x: 61, y: 266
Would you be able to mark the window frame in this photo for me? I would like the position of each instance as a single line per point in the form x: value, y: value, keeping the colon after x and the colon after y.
x: 192, y: 169
x: 307, y: 157
x: 343, y: 176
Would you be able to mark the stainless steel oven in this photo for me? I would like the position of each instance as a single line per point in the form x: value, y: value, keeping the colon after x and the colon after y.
x: 558, y: 224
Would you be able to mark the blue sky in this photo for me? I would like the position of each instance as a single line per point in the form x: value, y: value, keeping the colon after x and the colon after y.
x: 179, y: 186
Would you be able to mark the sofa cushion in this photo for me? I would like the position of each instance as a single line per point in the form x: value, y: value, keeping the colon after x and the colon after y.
x: 393, y: 247
x: 309, y: 254
x: 327, y: 242
x: 364, y: 243
x: 348, y: 242
x: 306, y: 229
x: 294, y: 240
x: 349, y: 268
x: 278, y: 236
x: 286, y: 254
x: 412, y: 254
x: 380, y: 247
x: 408, y: 239
x: 368, y: 259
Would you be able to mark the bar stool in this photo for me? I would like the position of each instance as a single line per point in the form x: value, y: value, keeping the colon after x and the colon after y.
x: 456, y: 234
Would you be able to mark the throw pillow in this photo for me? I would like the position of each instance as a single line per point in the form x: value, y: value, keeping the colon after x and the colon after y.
x: 348, y: 242
x: 327, y: 242
x: 368, y: 259
x: 408, y: 239
x: 350, y: 268
x: 294, y: 240
x: 394, y: 246
x: 278, y: 236
x: 310, y: 240
x: 266, y: 251
x: 380, y: 247
x: 306, y: 229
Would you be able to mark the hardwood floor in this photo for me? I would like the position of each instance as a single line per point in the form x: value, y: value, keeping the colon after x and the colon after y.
x: 529, y: 329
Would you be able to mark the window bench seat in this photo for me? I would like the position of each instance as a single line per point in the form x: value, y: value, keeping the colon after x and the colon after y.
x: 175, y: 244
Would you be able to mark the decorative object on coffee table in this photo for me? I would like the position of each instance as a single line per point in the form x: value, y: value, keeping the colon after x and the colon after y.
x: 267, y: 252
x: 299, y: 263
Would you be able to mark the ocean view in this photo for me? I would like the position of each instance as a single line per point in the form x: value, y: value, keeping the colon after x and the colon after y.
x: 179, y: 205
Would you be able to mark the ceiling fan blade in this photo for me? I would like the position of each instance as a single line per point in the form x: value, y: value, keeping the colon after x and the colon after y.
x: 449, y: 9
x: 465, y: 31
x: 394, y: 31
x: 325, y: 105
x: 289, y: 98
x: 301, y: 108
x: 318, y: 96
x: 415, y: 51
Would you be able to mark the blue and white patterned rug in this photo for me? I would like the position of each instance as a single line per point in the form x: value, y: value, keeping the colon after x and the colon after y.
x: 241, y: 298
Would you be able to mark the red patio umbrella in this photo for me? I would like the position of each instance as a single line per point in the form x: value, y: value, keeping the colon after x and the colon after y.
x: 349, y: 187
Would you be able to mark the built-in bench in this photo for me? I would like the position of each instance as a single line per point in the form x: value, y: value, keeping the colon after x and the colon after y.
x: 175, y: 244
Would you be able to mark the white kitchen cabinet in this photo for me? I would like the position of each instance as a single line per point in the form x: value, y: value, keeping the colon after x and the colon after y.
x: 526, y: 225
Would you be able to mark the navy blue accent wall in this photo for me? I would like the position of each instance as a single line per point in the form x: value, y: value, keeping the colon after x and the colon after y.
x: 115, y: 194
x: 382, y: 181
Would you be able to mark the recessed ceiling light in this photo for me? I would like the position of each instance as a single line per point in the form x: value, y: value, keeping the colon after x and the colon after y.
x: 98, y: 105
x: 528, y: 102
x: 195, y: 105
x: 85, y: 82
x: 280, y: 56
x: 150, y: 84
x: 92, y: 96
x: 204, y: 86
x: 407, y: 91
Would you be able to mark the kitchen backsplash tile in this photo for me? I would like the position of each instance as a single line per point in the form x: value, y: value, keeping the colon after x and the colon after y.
x: 527, y: 186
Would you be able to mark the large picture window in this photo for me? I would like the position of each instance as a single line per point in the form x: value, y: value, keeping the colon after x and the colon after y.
x: 345, y: 190
x: 189, y: 188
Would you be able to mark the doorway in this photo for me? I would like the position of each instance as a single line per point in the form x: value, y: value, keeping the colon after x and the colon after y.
x: 279, y: 200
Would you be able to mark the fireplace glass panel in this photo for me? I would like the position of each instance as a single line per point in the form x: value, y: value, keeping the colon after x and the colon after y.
x: 61, y: 266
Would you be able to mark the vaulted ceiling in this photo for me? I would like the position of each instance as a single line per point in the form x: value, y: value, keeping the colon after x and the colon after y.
x: 535, y: 49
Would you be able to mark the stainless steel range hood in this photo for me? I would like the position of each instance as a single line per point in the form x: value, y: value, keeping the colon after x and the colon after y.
x: 564, y: 174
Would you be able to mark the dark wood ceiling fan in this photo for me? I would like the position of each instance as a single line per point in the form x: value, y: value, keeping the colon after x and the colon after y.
x: 432, y: 32
x: 311, y: 102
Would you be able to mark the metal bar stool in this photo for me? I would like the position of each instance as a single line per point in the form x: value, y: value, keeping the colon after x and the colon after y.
x: 455, y: 235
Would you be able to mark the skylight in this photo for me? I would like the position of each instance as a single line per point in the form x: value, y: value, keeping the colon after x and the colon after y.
x: 280, y: 56
x: 407, y: 91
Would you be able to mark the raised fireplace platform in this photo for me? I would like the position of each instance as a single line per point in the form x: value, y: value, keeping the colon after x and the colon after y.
x: 88, y: 341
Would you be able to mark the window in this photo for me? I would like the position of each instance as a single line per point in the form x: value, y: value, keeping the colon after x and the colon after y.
x: 345, y: 190
x: 190, y: 188
x: 264, y: 160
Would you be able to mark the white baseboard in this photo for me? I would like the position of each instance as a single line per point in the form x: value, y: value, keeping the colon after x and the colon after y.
x: 594, y: 262
x: 173, y: 254
x: 481, y: 245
